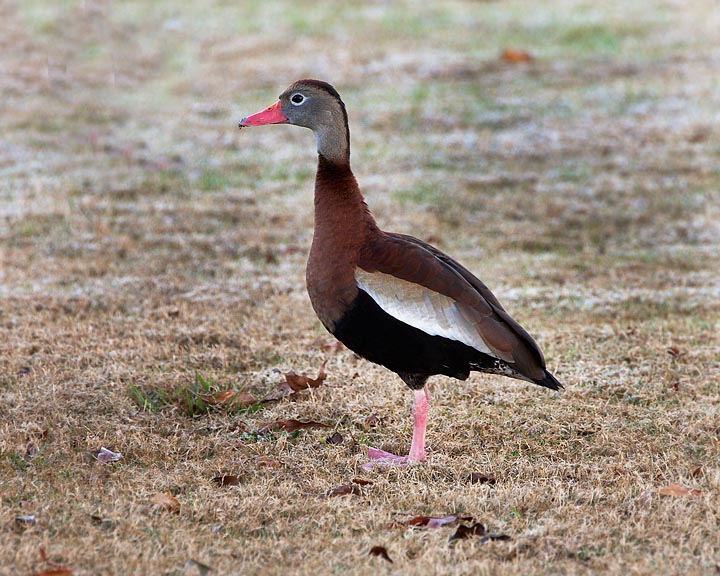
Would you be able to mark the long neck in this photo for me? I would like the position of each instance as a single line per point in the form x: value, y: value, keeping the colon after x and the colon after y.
x: 341, y: 214
x: 332, y: 135
x: 343, y: 225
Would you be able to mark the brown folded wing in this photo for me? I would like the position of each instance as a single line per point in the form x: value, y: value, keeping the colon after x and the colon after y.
x: 419, y: 285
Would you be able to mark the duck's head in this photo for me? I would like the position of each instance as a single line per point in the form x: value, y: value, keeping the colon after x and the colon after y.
x: 313, y: 104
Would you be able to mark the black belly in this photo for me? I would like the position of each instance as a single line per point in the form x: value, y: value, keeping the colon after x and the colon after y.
x: 373, y: 334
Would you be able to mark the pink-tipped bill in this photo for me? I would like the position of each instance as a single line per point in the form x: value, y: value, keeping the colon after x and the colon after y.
x: 271, y: 115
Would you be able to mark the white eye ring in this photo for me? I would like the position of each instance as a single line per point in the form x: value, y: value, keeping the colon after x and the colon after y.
x: 297, y: 99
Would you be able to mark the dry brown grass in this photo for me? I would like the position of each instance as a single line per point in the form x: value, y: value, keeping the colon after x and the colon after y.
x: 149, y: 253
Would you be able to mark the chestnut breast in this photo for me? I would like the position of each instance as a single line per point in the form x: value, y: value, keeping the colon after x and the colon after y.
x: 343, y: 227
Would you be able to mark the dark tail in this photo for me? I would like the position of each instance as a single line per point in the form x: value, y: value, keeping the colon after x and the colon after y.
x: 549, y: 382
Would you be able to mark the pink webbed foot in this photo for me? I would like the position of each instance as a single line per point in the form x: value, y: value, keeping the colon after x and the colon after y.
x: 417, y: 449
x: 379, y: 457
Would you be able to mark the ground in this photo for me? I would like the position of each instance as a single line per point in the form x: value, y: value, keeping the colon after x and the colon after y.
x: 152, y: 286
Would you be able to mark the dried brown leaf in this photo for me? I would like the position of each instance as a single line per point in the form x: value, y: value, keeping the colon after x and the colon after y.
x: 230, y: 399
x: 221, y: 397
x: 166, y: 501
x: 674, y: 351
x: 697, y: 472
x: 480, y: 478
x: 294, y: 383
x: 344, y: 490
x: 380, y: 551
x: 335, y: 439
x: 241, y: 399
x: 226, y: 480
x: 298, y: 382
x: 678, y: 490
x: 362, y: 482
x: 54, y: 572
x: 516, y: 56
x: 476, y: 529
x: 431, y: 521
x: 372, y: 421
x: 291, y: 425
x: 267, y: 461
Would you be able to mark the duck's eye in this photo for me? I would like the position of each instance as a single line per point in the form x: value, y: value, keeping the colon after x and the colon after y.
x: 297, y: 99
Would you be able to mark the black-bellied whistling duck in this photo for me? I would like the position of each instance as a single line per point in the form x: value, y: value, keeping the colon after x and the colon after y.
x: 391, y: 298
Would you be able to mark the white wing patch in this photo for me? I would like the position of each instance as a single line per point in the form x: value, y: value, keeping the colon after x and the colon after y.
x: 433, y: 313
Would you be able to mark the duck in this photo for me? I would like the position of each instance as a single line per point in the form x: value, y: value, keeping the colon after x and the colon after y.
x: 390, y: 298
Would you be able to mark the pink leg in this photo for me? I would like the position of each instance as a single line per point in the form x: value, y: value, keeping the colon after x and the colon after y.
x: 421, y: 405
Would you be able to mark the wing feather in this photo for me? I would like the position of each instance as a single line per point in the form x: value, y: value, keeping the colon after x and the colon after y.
x: 434, y: 313
x: 422, y: 286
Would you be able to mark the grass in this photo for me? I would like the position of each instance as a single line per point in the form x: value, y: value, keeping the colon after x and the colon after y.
x: 152, y: 258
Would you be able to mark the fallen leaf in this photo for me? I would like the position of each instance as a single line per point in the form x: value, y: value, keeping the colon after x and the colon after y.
x: 290, y: 426
x: 477, y: 529
x: 362, y: 482
x: 54, y: 572
x: 226, y: 480
x: 267, y: 461
x: 298, y: 382
x: 335, y: 439
x: 480, y: 478
x: 430, y: 521
x: 222, y: 396
x: 380, y: 551
x: 231, y: 399
x: 371, y: 421
x: 697, y: 472
x: 516, y: 56
x: 294, y: 383
x: 105, y: 456
x: 678, y: 490
x: 167, y: 501
x: 344, y: 490
x: 674, y: 351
